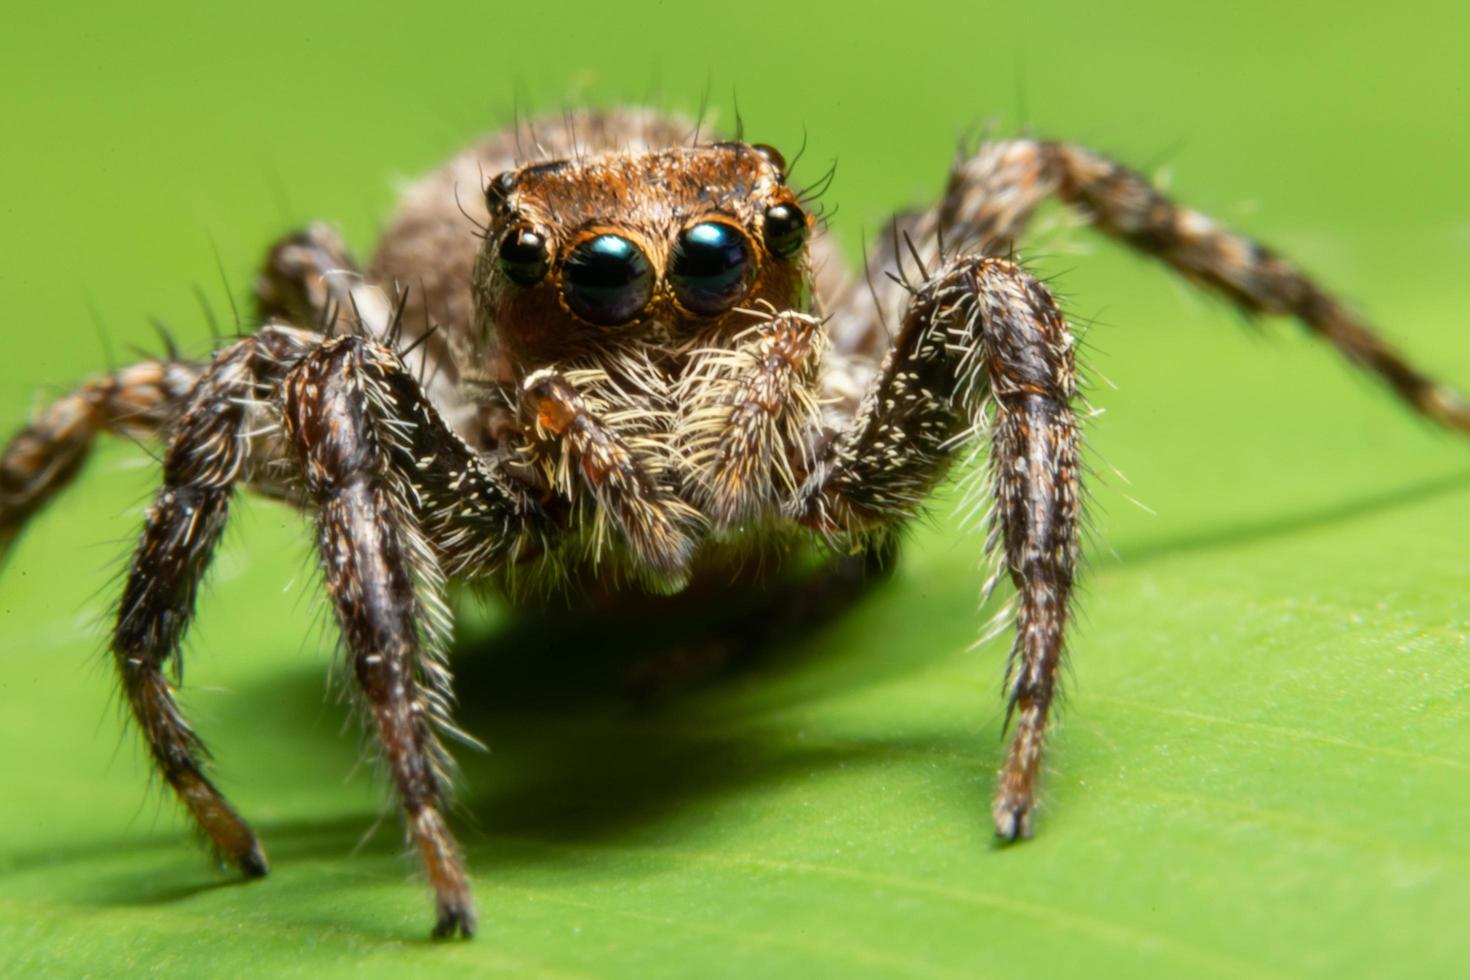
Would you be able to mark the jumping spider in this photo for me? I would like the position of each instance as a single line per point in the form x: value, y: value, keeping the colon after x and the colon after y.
x: 628, y: 362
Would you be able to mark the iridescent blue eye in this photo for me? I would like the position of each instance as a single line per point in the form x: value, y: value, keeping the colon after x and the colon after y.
x: 607, y: 280
x: 711, y: 268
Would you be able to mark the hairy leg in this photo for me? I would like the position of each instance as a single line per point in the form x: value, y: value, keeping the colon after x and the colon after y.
x: 139, y: 401
x: 992, y: 195
x: 309, y: 277
x: 374, y: 454
x: 982, y: 346
x: 207, y: 454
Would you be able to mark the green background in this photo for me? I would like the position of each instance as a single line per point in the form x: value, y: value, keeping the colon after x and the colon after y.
x: 1262, y: 765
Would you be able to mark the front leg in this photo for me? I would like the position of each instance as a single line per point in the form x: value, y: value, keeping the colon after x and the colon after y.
x: 399, y: 496
x: 982, y: 345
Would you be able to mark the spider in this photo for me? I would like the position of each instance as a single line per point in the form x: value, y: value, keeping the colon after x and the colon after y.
x: 632, y: 362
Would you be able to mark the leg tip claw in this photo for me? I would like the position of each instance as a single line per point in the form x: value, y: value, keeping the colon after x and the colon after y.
x: 1012, y: 821
x: 455, y: 921
x: 253, y: 863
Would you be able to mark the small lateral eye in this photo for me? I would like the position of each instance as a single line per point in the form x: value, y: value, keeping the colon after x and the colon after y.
x: 523, y: 257
x: 785, y: 230
x: 711, y: 267
x: 500, y: 187
x: 607, y: 280
x: 771, y: 155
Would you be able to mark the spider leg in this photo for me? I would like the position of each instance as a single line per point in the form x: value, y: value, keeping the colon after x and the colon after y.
x: 375, y: 455
x: 981, y: 345
x: 138, y: 401
x: 207, y: 454
x: 744, y: 415
x: 992, y: 194
x: 308, y: 276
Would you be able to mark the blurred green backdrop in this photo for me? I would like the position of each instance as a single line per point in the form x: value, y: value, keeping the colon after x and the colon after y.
x: 1262, y: 768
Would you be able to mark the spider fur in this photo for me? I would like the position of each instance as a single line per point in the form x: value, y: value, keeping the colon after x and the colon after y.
x: 633, y: 362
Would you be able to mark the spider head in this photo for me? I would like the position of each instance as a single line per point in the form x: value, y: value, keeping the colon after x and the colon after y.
x: 670, y: 246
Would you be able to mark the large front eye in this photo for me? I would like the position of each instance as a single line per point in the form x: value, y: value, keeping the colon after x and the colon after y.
x: 785, y: 230
x: 607, y: 280
x: 523, y: 257
x: 711, y: 268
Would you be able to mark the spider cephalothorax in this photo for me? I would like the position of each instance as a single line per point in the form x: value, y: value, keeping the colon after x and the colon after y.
x: 621, y: 297
x: 629, y: 362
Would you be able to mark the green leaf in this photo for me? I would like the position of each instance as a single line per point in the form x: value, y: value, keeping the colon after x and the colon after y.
x: 1263, y: 763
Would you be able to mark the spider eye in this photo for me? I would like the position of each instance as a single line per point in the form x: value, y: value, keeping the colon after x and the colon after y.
x: 771, y: 155
x: 711, y: 267
x: 607, y: 280
x: 523, y: 257
x: 786, y: 230
x: 500, y: 188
